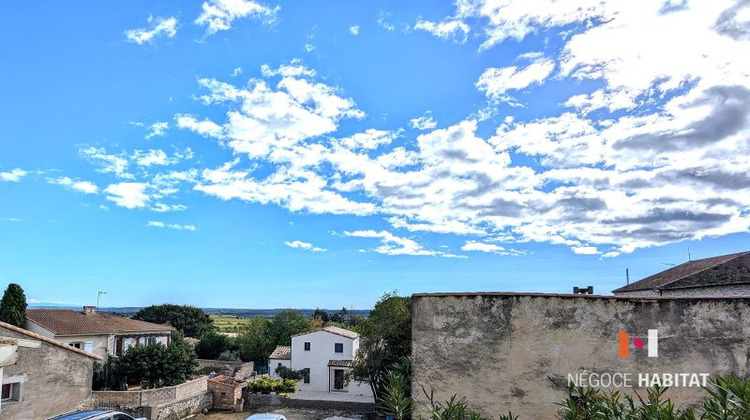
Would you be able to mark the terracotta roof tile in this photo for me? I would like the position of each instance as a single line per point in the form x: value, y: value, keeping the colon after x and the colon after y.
x: 333, y: 330
x: 281, y: 353
x: 340, y: 363
x: 49, y: 340
x: 724, y: 269
x: 70, y: 322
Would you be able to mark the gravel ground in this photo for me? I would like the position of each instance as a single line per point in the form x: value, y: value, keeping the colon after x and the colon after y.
x: 289, y: 413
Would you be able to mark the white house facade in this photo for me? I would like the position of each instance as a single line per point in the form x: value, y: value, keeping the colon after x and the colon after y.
x: 98, y: 333
x: 328, y: 354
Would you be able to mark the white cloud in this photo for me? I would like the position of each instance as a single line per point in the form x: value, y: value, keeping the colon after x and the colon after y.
x: 370, y: 139
x: 218, y: 15
x: 495, y: 82
x: 107, y: 163
x: 483, y: 247
x: 585, y: 250
x: 382, y: 21
x: 309, y: 47
x: 128, y: 194
x: 237, y: 71
x: 424, y: 122
x: 173, y: 226
x: 454, y: 30
x: 158, y: 27
x: 393, y: 245
x: 354, y: 30
x: 304, y: 245
x: 157, y: 129
x: 14, y: 175
x: 163, y: 208
x: 85, y: 187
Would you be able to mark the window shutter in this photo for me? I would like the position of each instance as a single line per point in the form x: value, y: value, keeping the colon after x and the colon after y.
x: 89, y: 346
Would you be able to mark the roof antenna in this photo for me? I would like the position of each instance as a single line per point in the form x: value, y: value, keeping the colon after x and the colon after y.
x: 627, y: 275
x: 689, y: 259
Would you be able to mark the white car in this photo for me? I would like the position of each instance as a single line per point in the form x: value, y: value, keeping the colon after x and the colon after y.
x: 266, y: 416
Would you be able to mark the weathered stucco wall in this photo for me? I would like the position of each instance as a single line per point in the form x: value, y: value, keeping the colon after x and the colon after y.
x: 501, y: 350
x: 52, y: 380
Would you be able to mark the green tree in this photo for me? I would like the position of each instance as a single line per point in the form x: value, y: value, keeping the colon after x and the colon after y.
x: 157, y: 365
x: 212, y: 344
x: 13, y: 306
x: 254, y: 342
x: 385, y: 343
x: 321, y: 315
x: 285, y: 324
x: 191, y: 321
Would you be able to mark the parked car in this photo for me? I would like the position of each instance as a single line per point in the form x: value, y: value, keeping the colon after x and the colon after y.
x: 95, y: 415
x: 266, y: 416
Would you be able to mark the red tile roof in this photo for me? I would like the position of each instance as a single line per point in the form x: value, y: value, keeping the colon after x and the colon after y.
x: 714, y: 271
x: 48, y: 340
x: 70, y: 322
x: 333, y: 330
x: 281, y: 353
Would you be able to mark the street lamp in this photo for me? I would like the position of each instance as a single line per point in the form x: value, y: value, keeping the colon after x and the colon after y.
x: 97, y: 298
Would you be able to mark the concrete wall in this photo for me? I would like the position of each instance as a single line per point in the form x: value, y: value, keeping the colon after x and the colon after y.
x: 51, y: 379
x: 499, y: 350
x: 274, y: 363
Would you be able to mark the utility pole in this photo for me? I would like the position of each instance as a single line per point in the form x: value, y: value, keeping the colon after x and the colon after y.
x: 99, y: 295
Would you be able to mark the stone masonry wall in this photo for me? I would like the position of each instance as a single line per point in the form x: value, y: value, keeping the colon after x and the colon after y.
x: 514, y: 352
x: 180, y: 409
x: 240, y: 370
x: 150, y: 397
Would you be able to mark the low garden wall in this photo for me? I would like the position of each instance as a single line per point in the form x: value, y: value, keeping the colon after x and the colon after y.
x: 134, y: 401
x: 181, y: 409
x: 237, y: 370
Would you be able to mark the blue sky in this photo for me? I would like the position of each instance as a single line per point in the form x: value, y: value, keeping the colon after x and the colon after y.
x: 280, y: 154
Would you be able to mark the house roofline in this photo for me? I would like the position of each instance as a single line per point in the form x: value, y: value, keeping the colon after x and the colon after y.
x: 49, y: 341
x: 572, y: 296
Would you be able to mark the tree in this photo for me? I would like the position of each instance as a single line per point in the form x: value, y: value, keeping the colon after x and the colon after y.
x: 157, y: 365
x: 385, y: 343
x: 321, y: 315
x: 285, y: 324
x: 212, y: 344
x: 191, y: 321
x: 13, y: 306
x: 254, y: 342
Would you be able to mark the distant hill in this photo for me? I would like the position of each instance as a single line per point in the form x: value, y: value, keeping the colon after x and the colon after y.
x: 242, y: 313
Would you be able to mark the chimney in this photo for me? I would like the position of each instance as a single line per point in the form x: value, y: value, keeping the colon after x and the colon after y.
x: 583, y: 290
x: 88, y: 310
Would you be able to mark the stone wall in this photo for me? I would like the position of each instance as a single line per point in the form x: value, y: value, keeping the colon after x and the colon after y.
x: 50, y: 379
x: 238, y: 370
x: 729, y: 290
x: 149, y: 397
x: 515, y: 352
x: 180, y: 409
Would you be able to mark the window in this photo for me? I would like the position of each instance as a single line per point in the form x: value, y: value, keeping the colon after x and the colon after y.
x: 76, y: 344
x: 121, y: 416
x: 307, y: 346
x: 11, y: 392
x: 338, y: 347
x: 306, y: 376
x: 279, y: 365
x: 150, y: 340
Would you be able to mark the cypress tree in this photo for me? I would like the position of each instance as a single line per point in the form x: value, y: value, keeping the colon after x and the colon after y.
x: 13, y: 306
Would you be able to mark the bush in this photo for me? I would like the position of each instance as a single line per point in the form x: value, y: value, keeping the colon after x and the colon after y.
x: 287, y: 373
x: 228, y: 356
x: 212, y: 344
x: 266, y: 385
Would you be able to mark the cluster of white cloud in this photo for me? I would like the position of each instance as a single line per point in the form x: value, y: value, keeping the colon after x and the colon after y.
x: 655, y: 150
x: 174, y: 226
x: 218, y: 15
x: 354, y: 30
x: 14, y: 175
x: 158, y: 27
x: 86, y: 187
x: 304, y: 245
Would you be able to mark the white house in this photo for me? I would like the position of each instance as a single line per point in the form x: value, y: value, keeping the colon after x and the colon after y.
x: 102, y: 334
x: 328, y: 353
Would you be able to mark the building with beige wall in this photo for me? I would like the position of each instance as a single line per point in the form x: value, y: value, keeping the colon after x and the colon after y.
x: 48, y: 377
x: 99, y: 333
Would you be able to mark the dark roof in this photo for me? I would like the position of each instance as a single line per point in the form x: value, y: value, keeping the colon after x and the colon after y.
x: 340, y: 363
x: 70, y: 322
x: 48, y: 340
x: 226, y: 380
x: 281, y: 353
x: 333, y: 330
x: 715, y: 271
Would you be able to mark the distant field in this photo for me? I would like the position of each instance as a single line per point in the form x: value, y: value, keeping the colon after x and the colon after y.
x: 229, y: 323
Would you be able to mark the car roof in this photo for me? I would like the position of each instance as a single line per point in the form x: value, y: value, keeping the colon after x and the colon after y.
x: 81, y: 415
x: 267, y: 416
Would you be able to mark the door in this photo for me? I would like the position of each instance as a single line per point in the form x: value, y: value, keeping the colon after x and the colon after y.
x: 338, y: 379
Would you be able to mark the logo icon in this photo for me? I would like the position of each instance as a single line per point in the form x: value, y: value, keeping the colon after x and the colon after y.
x: 653, y: 343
